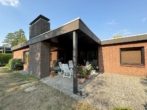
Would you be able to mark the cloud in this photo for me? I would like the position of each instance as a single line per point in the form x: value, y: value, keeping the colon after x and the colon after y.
x: 112, y: 22
x: 122, y: 32
x: 13, y: 3
x: 144, y: 19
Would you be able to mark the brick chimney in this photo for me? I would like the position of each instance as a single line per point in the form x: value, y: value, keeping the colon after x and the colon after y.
x: 38, y: 26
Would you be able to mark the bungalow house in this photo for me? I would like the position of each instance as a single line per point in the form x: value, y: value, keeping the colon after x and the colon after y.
x: 75, y: 41
x: 4, y: 49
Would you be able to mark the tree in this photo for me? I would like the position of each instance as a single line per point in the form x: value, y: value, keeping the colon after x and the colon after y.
x: 13, y: 39
x: 117, y: 36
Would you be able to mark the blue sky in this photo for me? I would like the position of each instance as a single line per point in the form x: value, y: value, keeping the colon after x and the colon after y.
x: 104, y: 17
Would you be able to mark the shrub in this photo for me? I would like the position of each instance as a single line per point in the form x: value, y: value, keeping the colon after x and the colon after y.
x: 4, y: 58
x: 15, y: 64
x: 84, y: 71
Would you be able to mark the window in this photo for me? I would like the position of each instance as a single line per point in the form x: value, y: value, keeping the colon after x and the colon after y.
x: 132, y: 56
x: 26, y: 57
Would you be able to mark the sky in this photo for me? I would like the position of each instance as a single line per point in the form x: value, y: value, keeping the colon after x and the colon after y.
x: 105, y: 18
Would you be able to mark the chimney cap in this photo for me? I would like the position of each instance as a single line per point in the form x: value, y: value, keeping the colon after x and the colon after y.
x: 40, y: 16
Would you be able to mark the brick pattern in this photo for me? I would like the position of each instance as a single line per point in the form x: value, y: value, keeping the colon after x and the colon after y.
x: 39, y: 27
x: 39, y: 53
x: 19, y: 54
x: 109, y: 60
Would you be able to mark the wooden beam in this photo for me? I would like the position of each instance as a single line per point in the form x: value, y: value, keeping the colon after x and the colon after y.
x: 75, y: 53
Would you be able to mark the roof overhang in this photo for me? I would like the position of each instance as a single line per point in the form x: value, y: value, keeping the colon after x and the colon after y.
x: 131, y: 39
x: 20, y: 46
x: 73, y: 25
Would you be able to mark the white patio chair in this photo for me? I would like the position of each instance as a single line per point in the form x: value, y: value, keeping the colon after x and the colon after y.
x: 66, y: 71
x: 60, y: 66
x: 87, y: 63
x: 70, y: 63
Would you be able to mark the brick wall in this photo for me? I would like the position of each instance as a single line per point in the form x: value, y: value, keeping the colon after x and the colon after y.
x: 109, y: 59
x: 39, y: 55
x: 53, y: 57
x: 19, y: 54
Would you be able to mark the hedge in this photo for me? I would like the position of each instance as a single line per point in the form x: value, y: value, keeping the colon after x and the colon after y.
x: 4, y: 58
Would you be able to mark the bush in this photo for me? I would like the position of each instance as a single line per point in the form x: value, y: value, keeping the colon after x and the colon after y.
x: 4, y: 58
x: 84, y: 71
x: 15, y: 64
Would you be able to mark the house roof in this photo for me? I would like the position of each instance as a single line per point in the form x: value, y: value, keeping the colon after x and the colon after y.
x: 76, y: 24
x: 135, y: 38
x: 39, y: 17
x: 20, y: 46
x: 2, y: 47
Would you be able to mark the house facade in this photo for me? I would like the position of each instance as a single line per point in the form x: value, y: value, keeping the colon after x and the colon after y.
x: 125, y: 56
x: 75, y: 41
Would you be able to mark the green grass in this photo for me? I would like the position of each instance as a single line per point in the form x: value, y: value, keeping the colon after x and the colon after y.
x: 4, y: 70
x: 25, y: 77
x: 122, y: 108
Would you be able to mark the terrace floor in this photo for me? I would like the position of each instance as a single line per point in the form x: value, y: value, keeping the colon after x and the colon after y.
x: 62, y: 84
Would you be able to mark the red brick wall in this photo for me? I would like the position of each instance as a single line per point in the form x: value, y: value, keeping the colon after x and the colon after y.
x: 109, y: 59
x: 53, y: 57
x: 19, y: 54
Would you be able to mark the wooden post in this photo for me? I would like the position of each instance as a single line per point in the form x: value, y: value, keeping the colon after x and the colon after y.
x: 75, y: 53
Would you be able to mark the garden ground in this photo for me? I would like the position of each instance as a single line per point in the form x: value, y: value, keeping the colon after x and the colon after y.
x: 105, y: 92
x: 14, y: 97
x: 108, y: 91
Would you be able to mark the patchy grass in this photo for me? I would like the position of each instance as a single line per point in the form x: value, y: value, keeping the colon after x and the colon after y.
x: 13, y: 96
x: 122, y: 108
x: 83, y: 106
x: 25, y: 77
x: 4, y: 70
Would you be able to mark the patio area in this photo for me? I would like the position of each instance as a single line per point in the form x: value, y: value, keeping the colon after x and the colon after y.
x: 64, y: 85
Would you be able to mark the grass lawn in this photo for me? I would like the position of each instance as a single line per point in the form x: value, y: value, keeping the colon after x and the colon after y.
x: 13, y: 96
